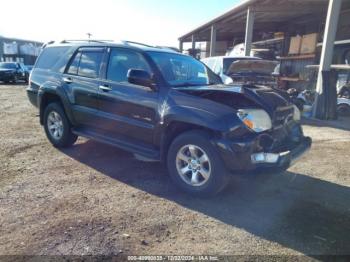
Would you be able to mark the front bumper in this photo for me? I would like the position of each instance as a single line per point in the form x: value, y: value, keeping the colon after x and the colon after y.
x: 249, y: 154
x: 282, y: 159
x: 7, y: 77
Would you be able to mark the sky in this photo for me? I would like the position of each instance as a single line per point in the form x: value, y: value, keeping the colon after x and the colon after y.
x: 156, y: 22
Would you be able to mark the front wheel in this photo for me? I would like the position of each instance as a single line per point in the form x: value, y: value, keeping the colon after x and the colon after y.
x: 15, y: 79
x: 57, y: 126
x: 195, y: 166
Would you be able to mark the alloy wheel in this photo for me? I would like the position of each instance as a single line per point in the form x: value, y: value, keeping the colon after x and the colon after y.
x: 55, y: 125
x: 193, y: 165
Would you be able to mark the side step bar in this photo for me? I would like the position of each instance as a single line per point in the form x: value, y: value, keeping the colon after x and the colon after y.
x: 146, y: 152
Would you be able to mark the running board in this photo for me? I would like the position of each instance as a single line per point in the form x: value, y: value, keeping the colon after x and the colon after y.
x: 136, y: 149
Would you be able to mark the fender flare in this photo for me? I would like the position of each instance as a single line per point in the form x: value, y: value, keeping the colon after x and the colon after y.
x: 53, y: 89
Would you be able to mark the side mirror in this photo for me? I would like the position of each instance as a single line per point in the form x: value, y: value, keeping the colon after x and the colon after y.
x: 141, y: 78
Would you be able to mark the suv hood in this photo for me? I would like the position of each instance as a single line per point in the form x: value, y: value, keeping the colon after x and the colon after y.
x: 249, y: 67
x: 239, y: 97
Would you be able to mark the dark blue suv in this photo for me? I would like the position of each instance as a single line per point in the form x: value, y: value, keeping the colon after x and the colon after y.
x: 163, y: 106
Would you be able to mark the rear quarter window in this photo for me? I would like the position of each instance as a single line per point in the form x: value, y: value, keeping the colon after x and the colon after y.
x: 50, y: 56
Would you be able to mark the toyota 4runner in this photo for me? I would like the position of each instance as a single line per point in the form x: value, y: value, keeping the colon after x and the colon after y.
x: 163, y: 106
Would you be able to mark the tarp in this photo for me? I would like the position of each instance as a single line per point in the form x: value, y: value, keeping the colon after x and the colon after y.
x: 264, y: 67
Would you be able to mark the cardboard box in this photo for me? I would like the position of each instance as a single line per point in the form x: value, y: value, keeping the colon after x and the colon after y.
x: 308, y: 44
x: 295, y: 44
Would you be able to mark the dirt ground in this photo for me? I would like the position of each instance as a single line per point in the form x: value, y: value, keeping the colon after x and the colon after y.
x: 95, y: 199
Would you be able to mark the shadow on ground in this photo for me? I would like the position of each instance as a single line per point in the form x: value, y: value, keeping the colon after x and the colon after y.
x: 300, y: 212
x: 342, y: 123
x: 13, y: 84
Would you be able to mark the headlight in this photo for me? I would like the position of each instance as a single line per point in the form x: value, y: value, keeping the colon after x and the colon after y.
x: 297, y: 114
x: 255, y: 119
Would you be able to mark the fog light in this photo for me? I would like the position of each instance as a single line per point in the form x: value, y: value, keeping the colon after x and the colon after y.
x: 264, y: 158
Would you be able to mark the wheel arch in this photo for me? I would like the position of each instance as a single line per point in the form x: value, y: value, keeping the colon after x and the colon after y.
x: 177, y: 128
x: 49, y: 96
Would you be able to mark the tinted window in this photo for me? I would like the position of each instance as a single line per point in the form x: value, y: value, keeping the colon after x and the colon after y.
x: 50, y: 56
x: 121, y: 61
x: 89, y: 65
x: 180, y: 70
x: 73, y: 68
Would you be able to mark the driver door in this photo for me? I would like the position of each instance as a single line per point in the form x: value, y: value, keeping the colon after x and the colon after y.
x: 128, y: 111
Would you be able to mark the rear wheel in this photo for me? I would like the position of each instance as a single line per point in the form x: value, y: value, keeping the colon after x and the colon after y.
x: 195, y: 166
x: 57, y: 126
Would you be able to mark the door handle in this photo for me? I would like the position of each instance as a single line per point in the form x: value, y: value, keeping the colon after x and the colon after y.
x: 105, y: 88
x: 68, y: 80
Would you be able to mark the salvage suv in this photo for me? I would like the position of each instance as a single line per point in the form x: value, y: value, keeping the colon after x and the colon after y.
x: 163, y: 106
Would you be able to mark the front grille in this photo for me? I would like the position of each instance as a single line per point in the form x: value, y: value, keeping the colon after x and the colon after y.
x: 282, y: 116
x: 282, y: 124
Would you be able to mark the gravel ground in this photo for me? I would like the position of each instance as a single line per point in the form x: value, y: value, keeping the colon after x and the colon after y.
x: 95, y: 199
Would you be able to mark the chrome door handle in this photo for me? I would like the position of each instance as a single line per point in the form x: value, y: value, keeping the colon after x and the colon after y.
x: 68, y: 80
x: 105, y: 88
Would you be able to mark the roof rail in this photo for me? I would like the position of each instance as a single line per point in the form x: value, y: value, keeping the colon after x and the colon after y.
x: 85, y: 40
x: 47, y: 43
x: 135, y: 43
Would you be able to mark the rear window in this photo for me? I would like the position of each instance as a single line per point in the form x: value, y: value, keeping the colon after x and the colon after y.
x: 86, y: 64
x: 90, y: 64
x: 50, y: 56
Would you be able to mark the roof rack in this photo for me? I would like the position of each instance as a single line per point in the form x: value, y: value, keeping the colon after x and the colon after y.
x: 47, y: 43
x: 135, y: 43
x: 85, y: 40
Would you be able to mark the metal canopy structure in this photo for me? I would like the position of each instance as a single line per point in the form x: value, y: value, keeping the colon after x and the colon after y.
x: 269, y: 16
x: 248, y: 21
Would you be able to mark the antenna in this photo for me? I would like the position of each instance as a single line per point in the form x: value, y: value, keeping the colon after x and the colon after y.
x: 89, y: 35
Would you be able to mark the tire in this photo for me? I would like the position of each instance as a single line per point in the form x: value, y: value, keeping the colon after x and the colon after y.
x: 345, y: 92
x: 15, y: 79
x: 343, y: 110
x: 54, y: 115
x: 216, y: 176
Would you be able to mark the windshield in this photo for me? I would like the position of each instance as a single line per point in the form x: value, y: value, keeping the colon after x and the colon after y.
x: 228, y: 62
x: 8, y: 65
x: 180, y: 70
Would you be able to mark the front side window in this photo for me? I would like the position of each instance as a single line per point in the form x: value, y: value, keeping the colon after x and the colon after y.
x: 180, y: 70
x: 121, y: 61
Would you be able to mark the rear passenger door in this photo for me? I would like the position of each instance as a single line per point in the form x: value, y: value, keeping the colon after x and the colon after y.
x: 128, y: 111
x: 81, y: 80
